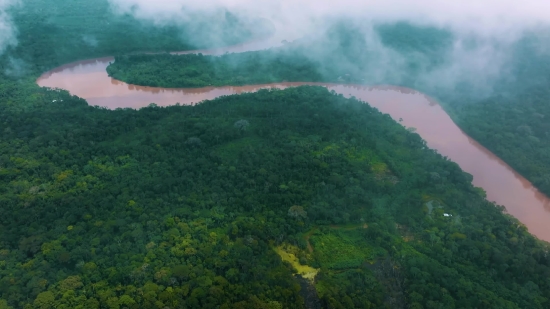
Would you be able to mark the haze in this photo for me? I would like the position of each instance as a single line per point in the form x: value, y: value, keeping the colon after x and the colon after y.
x: 487, y: 17
x: 7, y: 30
x: 495, y: 25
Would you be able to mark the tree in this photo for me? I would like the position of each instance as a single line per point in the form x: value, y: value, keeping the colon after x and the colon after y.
x: 297, y: 212
x: 242, y: 124
x: 45, y: 300
x: 4, y: 304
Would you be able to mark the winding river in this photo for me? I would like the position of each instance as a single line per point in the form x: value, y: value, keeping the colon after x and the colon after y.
x: 89, y: 80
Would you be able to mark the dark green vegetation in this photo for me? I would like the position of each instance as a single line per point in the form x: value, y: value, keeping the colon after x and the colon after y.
x: 514, y: 123
x: 341, y: 56
x: 511, y: 120
x: 201, y: 71
x: 181, y: 206
x: 52, y: 33
x: 517, y: 129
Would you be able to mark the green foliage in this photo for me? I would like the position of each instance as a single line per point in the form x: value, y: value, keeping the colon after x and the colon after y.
x: 180, y: 207
x: 341, y: 249
x: 231, y: 151
x: 190, y: 70
x: 117, y: 208
x: 357, y: 288
x: 405, y: 37
x: 53, y: 33
x: 513, y: 122
x: 343, y: 55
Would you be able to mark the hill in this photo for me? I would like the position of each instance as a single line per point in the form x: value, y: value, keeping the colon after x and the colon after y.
x: 219, y: 204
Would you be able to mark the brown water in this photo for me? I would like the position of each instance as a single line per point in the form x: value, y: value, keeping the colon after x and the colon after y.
x: 89, y: 80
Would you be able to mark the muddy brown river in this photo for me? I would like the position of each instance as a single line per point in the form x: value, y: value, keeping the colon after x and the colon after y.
x: 89, y: 80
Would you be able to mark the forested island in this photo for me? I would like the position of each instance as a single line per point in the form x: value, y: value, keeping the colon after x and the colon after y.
x: 197, y: 70
x: 295, y: 198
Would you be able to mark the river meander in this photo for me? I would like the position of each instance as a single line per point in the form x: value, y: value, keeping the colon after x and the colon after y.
x: 89, y: 80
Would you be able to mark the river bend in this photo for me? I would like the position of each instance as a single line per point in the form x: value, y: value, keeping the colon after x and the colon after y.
x: 89, y: 80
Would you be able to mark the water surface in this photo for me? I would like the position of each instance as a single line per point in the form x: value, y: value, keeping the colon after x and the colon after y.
x: 89, y: 80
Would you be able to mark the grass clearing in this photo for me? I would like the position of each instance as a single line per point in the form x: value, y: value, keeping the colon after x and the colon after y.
x: 341, y: 249
x: 287, y: 253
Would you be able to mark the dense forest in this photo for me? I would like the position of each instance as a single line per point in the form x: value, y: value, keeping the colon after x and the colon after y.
x: 125, y: 209
x: 294, y: 198
x: 513, y: 122
x: 197, y: 70
x: 53, y: 33
x: 341, y: 55
x: 510, y: 119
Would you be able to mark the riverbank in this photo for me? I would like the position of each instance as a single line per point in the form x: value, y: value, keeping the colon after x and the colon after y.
x: 502, y: 184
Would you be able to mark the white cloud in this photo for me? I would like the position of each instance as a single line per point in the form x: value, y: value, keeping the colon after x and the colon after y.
x: 486, y: 17
x: 493, y: 24
x: 7, y: 29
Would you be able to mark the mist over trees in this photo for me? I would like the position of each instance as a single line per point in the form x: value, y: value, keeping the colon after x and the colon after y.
x: 507, y: 114
x: 294, y: 198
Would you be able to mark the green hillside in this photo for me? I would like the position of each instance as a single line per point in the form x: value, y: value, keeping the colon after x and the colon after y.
x: 293, y: 198
x: 185, y: 206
